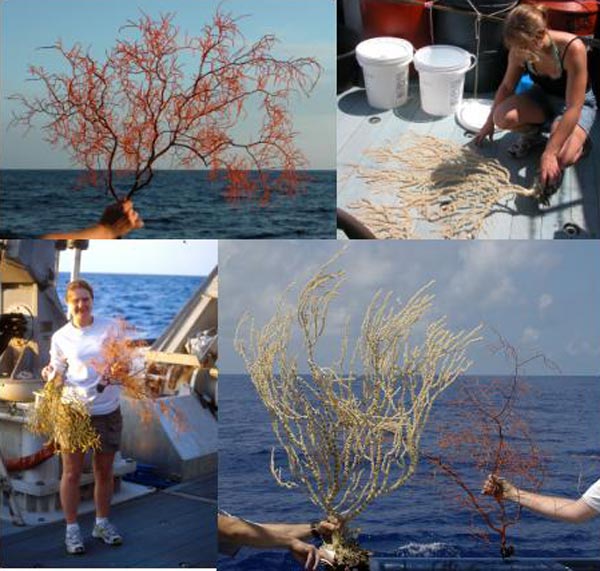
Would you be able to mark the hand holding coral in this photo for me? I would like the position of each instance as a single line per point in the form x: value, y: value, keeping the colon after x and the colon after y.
x: 326, y: 527
x: 49, y: 373
x: 500, y: 488
x: 120, y: 218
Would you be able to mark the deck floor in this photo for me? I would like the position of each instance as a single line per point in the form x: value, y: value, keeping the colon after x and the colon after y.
x: 577, y: 201
x: 175, y: 527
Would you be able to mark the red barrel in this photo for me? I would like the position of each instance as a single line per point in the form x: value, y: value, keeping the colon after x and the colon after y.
x: 576, y: 16
x: 407, y: 21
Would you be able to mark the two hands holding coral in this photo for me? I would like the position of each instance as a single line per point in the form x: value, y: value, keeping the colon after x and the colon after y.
x: 116, y: 221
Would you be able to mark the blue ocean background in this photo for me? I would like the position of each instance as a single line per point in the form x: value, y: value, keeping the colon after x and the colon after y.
x: 177, y: 204
x: 149, y: 302
x: 420, y: 519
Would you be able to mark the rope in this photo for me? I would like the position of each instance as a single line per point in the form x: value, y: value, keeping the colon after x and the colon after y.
x: 479, y: 16
x: 478, y: 42
x: 436, y: 6
x: 429, y: 6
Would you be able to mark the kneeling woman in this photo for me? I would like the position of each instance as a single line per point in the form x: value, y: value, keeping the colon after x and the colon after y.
x: 560, y: 97
x: 73, y: 350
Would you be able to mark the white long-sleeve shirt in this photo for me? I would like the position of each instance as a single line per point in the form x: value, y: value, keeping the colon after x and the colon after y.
x: 72, y: 351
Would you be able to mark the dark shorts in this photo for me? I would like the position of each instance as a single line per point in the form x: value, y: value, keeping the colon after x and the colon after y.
x: 109, y: 427
x: 554, y: 106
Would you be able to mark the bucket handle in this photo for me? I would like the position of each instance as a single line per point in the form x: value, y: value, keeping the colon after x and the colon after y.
x: 473, y: 57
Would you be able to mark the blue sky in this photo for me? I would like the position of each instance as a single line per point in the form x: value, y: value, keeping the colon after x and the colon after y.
x: 304, y: 28
x: 168, y: 257
x: 540, y: 295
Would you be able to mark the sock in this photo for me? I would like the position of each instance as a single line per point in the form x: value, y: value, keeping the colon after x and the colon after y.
x: 72, y: 527
x: 101, y: 520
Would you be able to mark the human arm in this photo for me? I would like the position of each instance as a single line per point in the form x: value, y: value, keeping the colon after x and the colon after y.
x: 117, y: 220
x: 563, y: 509
x: 575, y: 64
x: 55, y: 370
x: 242, y: 532
x: 322, y: 528
x: 512, y: 75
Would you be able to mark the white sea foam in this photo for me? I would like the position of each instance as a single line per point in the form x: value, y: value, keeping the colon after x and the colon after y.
x: 435, y: 549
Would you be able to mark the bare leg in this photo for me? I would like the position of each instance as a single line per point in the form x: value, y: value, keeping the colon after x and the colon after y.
x: 518, y: 113
x: 69, y: 484
x: 572, y: 148
x: 103, y: 476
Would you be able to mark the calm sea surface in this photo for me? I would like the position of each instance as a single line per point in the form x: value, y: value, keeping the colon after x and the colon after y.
x: 178, y: 204
x: 147, y: 302
x: 419, y: 519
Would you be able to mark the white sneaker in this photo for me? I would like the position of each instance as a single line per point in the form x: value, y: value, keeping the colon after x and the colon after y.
x: 108, y: 533
x: 74, y: 541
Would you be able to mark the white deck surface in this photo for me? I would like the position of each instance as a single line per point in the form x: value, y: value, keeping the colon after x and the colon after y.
x: 577, y: 201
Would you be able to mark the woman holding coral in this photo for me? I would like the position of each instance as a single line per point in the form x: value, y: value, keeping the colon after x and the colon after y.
x: 74, y: 349
x: 560, y: 98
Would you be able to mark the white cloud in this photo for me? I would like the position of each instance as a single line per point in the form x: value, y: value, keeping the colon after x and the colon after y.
x: 484, y: 274
x: 545, y: 301
x: 530, y: 335
x: 578, y: 348
x: 502, y: 291
x: 489, y: 268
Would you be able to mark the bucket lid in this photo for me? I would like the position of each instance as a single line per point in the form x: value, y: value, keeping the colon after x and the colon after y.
x: 473, y: 113
x: 384, y: 51
x: 441, y: 58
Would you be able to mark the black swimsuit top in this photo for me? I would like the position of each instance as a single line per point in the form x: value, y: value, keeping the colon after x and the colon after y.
x: 555, y: 86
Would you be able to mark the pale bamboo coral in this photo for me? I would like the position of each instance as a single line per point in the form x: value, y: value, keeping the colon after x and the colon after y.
x: 64, y: 419
x: 351, y: 434
x: 449, y: 188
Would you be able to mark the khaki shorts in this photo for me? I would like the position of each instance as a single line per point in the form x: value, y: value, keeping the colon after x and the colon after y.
x: 109, y: 427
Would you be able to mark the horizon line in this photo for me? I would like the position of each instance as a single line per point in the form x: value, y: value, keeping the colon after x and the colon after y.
x: 82, y: 272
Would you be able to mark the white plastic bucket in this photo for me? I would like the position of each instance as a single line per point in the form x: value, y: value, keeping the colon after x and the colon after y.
x: 385, y: 64
x: 442, y: 71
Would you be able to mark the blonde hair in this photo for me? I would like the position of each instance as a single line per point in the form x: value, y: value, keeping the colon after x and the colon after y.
x: 76, y: 284
x: 524, y: 23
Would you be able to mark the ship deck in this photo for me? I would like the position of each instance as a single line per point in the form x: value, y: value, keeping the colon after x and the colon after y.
x: 576, y: 202
x: 173, y: 527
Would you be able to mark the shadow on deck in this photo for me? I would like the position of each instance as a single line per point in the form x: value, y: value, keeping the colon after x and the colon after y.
x: 174, y: 527
x: 573, y: 212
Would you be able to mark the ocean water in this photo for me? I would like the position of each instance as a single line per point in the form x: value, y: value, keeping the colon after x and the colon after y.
x: 148, y: 302
x: 420, y: 519
x: 177, y: 204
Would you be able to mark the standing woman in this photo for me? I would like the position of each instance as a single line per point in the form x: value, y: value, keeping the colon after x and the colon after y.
x: 74, y: 348
x: 561, y: 95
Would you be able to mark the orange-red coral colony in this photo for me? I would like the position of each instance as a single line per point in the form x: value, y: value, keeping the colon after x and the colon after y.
x: 158, y: 95
x: 116, y: 362
x: 488, y: 433
x: 121, y: 363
